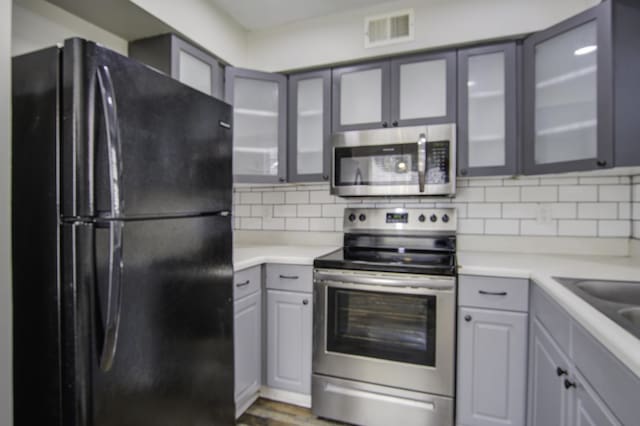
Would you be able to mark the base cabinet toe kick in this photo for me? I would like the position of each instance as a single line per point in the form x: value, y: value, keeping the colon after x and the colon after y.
x: 373, y: 405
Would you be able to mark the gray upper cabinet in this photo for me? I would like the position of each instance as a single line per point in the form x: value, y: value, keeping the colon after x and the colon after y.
x: 361, y: 96
x: 309, y: 126
x: 423, y: 89
x: 412, y: 90
x: 259, y: 102
x: 576, y: 74
x: 487, y: 110
x: 182, y: 61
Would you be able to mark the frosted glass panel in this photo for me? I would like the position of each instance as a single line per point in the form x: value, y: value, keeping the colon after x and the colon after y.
x: 566, y: 96
x: 361, y: 97
x: 255, y: 134
x: 486, y: 110
x: 310, y: 137
x: 195, y: 73
x: 423, y: 89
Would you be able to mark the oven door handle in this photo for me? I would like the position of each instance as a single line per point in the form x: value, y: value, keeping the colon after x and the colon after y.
x: 419, y: 282
x: 422, y: 160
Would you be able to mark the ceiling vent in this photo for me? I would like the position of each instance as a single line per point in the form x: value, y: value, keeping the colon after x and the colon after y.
x: 390, y: 28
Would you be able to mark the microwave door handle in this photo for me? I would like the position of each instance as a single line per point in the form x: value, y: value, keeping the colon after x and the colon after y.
x: 422, y: 160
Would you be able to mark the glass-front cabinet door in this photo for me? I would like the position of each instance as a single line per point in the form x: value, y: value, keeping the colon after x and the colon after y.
x: 567, y: 109
x: 259, y: 124
x: 361, y: 97
x: 309, y: 126
x: 423, y: 89
x: 487, y: 110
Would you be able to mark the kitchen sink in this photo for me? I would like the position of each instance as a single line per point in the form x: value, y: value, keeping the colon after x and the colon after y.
x: 618, y: 300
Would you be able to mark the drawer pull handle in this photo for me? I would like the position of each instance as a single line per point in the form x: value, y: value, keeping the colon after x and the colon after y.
x: 561, y: 372
x: 493, y: 293
x: 305, y: 302
x: 289, y: 277
x: 246, y: 283
x: 568, y: 384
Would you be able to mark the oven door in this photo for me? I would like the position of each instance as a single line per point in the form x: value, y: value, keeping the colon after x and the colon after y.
x: 389, y: 329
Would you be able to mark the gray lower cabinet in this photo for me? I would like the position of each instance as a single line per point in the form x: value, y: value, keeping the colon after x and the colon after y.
x: 181, y: 60
x: 247, y: 336
x: 548, y: 367
x: 289, y: 340
x: 492, y: 351
x: 585, y: 385
x: 259, y: 102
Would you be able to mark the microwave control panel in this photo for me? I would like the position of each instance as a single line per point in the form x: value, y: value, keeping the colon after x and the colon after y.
x: 437, y: 162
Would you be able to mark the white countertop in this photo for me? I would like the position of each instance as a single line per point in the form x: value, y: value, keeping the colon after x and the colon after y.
x: 539, y: 268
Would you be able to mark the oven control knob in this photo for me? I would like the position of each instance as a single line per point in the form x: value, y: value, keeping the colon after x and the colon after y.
x: 421, y: 218
x: 445, y: 218
x: 362, y: 217
x: 352, y: 217
x: 433, y: 218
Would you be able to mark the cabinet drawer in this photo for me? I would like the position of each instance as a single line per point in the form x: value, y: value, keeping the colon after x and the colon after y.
x: 246, y: 282
x: 510, y: 294
x: 290, y: 277
x: 555, y: 319
x: 616, y: 385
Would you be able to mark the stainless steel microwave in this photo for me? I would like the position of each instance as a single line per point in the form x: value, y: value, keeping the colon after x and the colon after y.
x: 397, y: 161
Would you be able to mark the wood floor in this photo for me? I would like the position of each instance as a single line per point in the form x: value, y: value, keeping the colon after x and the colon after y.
x: 265, y: 412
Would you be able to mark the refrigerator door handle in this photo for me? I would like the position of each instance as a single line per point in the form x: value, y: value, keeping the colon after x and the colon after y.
x: 114, y: 145
x: 114, y: 296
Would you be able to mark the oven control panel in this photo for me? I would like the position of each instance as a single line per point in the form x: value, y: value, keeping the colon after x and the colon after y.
x: 385, y: 219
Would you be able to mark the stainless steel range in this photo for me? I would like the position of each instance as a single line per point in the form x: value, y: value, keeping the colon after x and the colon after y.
x: 384, y: 320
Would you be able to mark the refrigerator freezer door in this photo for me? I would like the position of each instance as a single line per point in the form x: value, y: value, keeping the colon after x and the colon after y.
x: 138, y: 144
x: 173, y: 357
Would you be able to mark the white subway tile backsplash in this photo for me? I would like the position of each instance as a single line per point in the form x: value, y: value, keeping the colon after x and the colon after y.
x: 502, y: 194
x: 502, y: 226
x: 321, y: 224
x: 309, y: 210
x: 605, y: 206
x: 250, y: 198
x: 579, y: 193
x: 614, y: 193
x: 539, y: 193
x: 534, y: 227
x: 285, y: 211
x: 484, y: 210
x: 276, y: 197
x: 578, y: 228
x: 598, y: 210
x: 297, y: 197
x: 614, y: 228
x: 520, y: 210
x: 297, y: 224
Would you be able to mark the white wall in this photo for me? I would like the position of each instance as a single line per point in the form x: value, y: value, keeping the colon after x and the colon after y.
x: 339, y: 37
x: 203, y: 23
x: 6, y: 376
x: 38, y: 24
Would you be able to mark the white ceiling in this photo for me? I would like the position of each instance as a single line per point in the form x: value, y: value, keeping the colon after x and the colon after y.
x: 261, y: 14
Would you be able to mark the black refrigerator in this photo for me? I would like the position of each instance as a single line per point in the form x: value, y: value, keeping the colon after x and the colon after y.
x: 122, y: 244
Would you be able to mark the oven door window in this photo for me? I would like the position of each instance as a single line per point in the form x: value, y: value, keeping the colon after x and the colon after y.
x: 389, y: 326
x: 395, y: 164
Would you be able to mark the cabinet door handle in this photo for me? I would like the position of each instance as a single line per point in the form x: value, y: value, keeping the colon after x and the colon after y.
x: 463, y: 172
x: 325, y: 177
x: 561, y: 372
x: 492, y: 293
x: 305, y: 302
x: 246, y: 283
x: 281, y: 179
x: 569, y: 384
x: 385, y: 124
x: 467, y: 318
x: 289, y: 277
x: 395, y: 124
x: 601, y: 163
